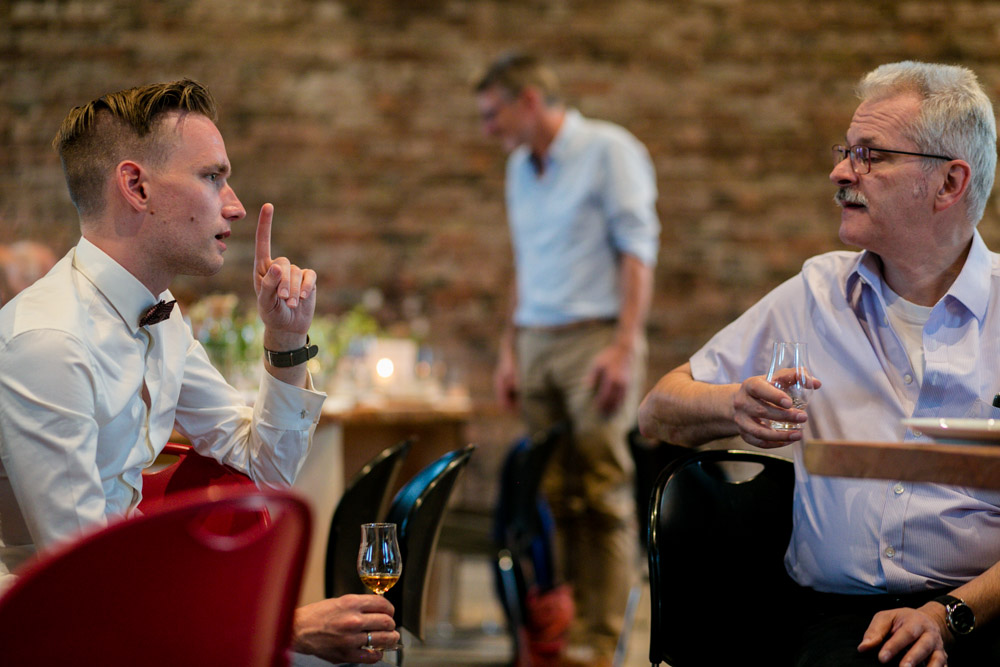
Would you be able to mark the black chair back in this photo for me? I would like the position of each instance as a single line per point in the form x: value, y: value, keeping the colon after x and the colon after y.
x: 650, y: 458
x: 523, y: 530
x: 716, y: 545
x: 366, y: 500
x: 417, y: 511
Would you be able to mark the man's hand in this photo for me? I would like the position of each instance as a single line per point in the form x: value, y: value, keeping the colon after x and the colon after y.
x: 336, y: 629
x: 923, y: 630
x: 286, y: 294
x: 756, y: 403
x: 609, y: 377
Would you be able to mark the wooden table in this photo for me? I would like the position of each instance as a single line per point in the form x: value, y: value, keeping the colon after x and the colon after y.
x: 959, y: 465
x: 366, y: 431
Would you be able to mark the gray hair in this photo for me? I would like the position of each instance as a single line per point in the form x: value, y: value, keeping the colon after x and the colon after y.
x: 956, y: 118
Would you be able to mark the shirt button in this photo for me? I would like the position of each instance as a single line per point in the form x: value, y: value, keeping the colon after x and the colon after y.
x: 917, y: 433
x: 898, y: 489
x: 907, y: 378
x: 890, y: 552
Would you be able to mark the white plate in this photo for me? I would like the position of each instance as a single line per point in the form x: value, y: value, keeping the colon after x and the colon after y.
x: 944, y: 429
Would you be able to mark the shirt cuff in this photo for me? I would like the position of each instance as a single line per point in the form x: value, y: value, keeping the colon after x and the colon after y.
x: 286, y: 406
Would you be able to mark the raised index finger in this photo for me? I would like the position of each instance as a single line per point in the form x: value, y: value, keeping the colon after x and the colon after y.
x: 262, y: 249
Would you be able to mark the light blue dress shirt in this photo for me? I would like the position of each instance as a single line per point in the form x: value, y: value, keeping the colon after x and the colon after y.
x: 870, y: 536
x: 595, y: 200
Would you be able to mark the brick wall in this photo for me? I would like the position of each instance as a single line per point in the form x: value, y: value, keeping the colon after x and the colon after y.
x: 355, y: 118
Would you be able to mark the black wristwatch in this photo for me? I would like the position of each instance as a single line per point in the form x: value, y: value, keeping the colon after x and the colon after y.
x: 961, y: 620
x: 291, y: 357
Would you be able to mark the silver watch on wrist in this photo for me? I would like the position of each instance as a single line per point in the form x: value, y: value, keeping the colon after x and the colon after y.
x: 961, y: 620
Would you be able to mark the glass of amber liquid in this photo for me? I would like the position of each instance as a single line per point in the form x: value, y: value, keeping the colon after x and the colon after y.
x: 380, y: 563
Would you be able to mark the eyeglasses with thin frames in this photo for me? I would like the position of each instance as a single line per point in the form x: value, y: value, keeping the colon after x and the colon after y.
x: 861, y: 156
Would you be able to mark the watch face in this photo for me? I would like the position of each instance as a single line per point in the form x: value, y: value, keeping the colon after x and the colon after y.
x: 961, y: 620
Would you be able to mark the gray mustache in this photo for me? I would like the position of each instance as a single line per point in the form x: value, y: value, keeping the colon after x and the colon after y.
x: 847, y: 196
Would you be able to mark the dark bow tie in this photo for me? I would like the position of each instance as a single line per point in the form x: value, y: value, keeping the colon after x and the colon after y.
x: 157, y: 313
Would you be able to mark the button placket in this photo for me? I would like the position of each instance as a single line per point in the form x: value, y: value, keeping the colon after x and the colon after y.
x: 892, y: 531
x: 147, y: 396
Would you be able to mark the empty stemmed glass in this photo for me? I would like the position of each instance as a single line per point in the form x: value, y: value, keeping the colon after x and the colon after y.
x: 380, y: 564
x: 789, y: 373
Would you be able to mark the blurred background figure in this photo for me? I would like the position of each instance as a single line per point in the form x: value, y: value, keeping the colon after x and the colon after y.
x: 581, y: 204
x: 21, y: 264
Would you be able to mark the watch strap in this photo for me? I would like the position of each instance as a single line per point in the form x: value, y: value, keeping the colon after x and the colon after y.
x: 948, y: 600
x: 291, y: 357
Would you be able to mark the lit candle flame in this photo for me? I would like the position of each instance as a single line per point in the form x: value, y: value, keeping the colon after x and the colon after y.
x: 384, y: 368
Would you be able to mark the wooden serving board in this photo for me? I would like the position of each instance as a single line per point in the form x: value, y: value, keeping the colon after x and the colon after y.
x: 960, y: 465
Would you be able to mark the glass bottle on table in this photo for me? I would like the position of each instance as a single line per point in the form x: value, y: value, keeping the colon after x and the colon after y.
x: 380, y: 563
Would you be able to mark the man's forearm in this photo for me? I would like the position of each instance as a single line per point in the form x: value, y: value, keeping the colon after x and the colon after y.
x: 982, y: 594
x: 636, y: 294
x: 508, y: 332
x: 683, y: 411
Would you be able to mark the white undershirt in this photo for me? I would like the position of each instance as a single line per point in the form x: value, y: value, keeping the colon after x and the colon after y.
x: 907, y: 320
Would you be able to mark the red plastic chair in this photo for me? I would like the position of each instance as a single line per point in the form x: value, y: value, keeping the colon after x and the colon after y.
x: 164, y: 589
x: 191, y: 470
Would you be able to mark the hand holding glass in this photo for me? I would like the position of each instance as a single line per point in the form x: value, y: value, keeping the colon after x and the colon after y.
x: 789, y: 373
x: 380, y: 563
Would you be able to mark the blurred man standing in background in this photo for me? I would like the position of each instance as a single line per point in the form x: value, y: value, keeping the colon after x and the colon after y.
x: 581, y: 201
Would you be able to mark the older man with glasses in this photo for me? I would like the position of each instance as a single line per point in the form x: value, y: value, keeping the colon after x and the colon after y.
x: 888, y: 572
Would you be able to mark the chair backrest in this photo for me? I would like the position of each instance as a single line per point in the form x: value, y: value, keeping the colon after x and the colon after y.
x: 520, y: 520
x: 716, y: 547
x: 366, y: 500
x: 523, y: 532
x: 417, y: 510
x: 163, y: 589
x: 191, y: 474
x: 523, y: 523
x: 190, y: 471
x: 650, y: 458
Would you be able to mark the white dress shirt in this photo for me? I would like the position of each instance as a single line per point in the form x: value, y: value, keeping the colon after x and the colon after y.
x: 75, y: 429
x: 871, y: 536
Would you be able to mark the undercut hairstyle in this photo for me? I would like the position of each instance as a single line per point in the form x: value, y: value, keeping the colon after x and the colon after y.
x: 515, y: 71
x: 94, y: 138
x: 955, y: 119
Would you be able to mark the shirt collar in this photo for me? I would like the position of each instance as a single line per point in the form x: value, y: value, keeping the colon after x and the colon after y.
x: 126, y: 294
x: 572, y: 121
x: 560, y: 146
x: 971, y: 288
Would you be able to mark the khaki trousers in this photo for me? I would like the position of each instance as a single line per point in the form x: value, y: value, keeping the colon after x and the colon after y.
x: 589, y: 481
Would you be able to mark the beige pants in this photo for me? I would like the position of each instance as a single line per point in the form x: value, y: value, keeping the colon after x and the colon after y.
x: 589, y: 482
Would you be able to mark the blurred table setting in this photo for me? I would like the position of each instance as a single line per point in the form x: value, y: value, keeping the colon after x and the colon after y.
x: 361, y: 364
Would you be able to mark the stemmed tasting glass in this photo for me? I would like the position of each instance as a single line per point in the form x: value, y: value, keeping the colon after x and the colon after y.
x: 789, y: 373
x: 380, y: 563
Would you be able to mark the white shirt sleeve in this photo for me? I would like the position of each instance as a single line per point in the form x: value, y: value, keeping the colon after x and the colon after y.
x: 269, y: 442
